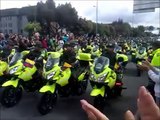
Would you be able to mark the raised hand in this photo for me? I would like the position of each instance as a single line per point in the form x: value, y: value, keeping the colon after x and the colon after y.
x: 92, y: 112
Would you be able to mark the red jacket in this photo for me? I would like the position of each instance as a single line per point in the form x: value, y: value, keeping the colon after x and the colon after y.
x: 44, y: 43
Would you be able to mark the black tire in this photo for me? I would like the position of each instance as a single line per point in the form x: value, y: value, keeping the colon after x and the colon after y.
x: 138, y: 72
x: 118, y: 91
x: 99, y: 102
x: 2, y: 79
x: 65, y: 91
x: 47, y: 103
x: 82, y: 87
x: 11, y: 96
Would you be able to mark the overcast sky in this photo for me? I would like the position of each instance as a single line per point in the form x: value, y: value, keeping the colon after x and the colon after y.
x: 108, y: 10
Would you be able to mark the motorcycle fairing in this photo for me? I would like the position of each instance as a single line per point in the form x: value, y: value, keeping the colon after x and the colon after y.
x: 11, y: 82
x: 96, y: 91
x: 48, y: 88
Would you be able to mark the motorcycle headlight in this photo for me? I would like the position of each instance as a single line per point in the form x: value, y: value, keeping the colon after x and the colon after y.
x: 120, y: 76
x: 92, y: 77
x: 50, y: 75
x: 101, y: 78
x: 13, y: 70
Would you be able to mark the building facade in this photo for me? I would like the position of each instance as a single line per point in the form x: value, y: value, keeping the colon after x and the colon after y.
x: 12, y: 21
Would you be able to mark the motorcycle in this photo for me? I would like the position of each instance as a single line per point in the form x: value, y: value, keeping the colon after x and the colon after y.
x: 65, y: 80
x: 119, y: 70
x: 140, y: 56
x: 149, y: 52
x: 73, y: 79
x: 51, y: 73
x: 4, y: 60
x: 122, y: 59
x: 3, y: 71
x: 96, y: 51
x: 23, y: 76
x: 103, y: 81
x: 133, y: 52
x: 126, y: 48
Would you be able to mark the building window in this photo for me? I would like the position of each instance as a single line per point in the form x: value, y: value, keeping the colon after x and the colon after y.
x: 5, y: 25
x: 6, y: 31
x: 9, y: 24
x: 10, y: 31
x: 10, y: 18
x: 21, y: 31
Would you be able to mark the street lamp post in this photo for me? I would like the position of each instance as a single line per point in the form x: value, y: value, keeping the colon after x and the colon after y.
x: 96, y: 16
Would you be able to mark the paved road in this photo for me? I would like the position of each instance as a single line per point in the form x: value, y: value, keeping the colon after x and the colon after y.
x: 70, y: 109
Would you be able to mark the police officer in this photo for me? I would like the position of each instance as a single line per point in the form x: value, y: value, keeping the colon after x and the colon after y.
x: 109, y: 53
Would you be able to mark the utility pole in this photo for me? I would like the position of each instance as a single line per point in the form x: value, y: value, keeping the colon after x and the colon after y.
x: 96, y: 17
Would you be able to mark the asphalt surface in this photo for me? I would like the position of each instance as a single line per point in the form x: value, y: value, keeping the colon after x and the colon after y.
x: 70, y: 108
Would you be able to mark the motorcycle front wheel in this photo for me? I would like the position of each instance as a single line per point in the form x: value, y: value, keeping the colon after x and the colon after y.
x: 99, y: 102
x: 81, y: 89
x: 47, y: 103
x: 11, y: 96
x: 118, y: 91
x: 138, y: 72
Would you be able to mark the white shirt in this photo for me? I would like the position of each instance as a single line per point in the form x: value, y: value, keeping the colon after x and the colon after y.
x: 155, y: 76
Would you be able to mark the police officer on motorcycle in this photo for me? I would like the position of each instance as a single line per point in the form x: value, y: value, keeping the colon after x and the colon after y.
x: 36, y: 54
x: 109, y: 53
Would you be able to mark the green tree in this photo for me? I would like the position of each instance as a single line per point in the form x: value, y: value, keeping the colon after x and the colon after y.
x: 46, y: 14
x: 121, y: 28
x: 67, y: 16
x: 32, y: 27
x: 112, y: 31
x: 150, y: 28
x: 141, y: 28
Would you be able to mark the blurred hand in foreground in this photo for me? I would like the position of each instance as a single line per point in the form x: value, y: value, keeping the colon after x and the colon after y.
x: 92, y: 112
x: 147, y: 108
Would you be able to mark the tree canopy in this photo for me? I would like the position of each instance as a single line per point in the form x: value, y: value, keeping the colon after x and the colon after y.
x: 32, y: 27
x: 67, y: 17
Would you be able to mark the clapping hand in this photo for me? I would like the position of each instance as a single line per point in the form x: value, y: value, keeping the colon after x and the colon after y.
x: 145, y: 66
x: 92, y: 112
x: 147, y: 108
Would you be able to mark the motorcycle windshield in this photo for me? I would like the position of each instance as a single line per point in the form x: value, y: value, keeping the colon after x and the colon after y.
x: 142, y: 50
x: 100, y: 63
x: 17, y: 56
x: 95, y: 48
x: 118, y: 49
x: 133, y: 46
x: 51, y: 62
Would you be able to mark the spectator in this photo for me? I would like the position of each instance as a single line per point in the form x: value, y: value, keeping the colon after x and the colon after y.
x: 3, y: 42
x: 37, y: 36
x: 44, y: 42
x: 155, y: 63
x: 51, y: 43
x: 154, y: 75
x: 65, y: 38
